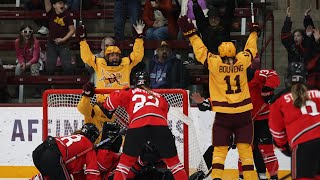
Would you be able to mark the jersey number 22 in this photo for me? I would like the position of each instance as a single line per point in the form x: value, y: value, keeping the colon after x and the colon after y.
x: 142, y: 100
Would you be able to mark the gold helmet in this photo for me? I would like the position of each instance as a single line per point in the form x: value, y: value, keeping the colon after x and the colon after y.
x: 227, y: 49
x: 112, y: 49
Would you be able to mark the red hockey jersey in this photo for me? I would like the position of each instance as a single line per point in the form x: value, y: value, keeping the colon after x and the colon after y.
x: 141, y: 106
x: 289, y: 124
x: 261, y: 78
x: 74, y: 144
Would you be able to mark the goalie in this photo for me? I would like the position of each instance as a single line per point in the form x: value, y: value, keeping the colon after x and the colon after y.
x: 93, y: 113
x: 112, y: 71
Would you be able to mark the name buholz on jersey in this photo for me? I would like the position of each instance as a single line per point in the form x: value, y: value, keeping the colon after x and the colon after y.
x: 144, y: 91
x: 311, y: 94
x: 230, y: 69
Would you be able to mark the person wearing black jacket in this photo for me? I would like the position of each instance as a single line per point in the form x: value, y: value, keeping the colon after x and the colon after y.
x: 214, y: 29
x: 167, y: 71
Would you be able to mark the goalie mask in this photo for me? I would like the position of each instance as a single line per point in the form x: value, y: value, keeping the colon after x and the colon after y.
x: 90, y: 131
x: 113, y: 56
x: 142, y: 79
x: 297, y: 72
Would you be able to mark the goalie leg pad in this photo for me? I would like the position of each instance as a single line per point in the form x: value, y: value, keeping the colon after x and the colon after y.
x: 246, y: 156
x: 176, y: 167
x: 269, y: 158
x: 218, y: 158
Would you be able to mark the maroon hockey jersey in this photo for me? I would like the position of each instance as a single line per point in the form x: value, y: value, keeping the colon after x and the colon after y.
x: 141, y: 106
x: 289, y: 124
x: 261, y: 78
x: 71, y: 146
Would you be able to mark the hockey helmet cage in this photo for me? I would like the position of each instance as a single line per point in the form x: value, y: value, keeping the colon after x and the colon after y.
x: 297, y: 72
x: 142, y: 78
x: 90, y: 131
x: 227, y: 49
x: 112, y: 49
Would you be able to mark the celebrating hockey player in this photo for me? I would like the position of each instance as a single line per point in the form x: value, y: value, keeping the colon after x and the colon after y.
x: 294, y: 123
x: 261, y: 85
x: 148, y: 122
x: 113, y: 71
x: 54, y: 157
x: 229, y: 95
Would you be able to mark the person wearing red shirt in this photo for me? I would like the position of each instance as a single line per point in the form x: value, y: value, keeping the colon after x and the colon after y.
x: 52, y: 157
x: 147, y: 112
x: 294, y: 123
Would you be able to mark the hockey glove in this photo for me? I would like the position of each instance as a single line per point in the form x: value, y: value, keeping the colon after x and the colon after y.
x: 88, y: 89
x: 205, y: 105
x: 186, y: 26
x: 111, y: 131
x: 81, y: 33
x: 139, y: 29
x: 267, y: 94
x: 256, y: 28
x: 105, y: 111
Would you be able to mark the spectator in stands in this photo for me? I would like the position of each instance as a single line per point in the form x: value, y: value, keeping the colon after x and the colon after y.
x: 113, y: 71
x: 313, y: 64
x: 61, y: 29
x: 4, y: 95
x: 28, y: 54
x: 160, y: 21
x: 122, y: 10
x: 216, y: 28
x: 187, y: 9
x: 105, y: 43
x: 298, y: 45
x: 32, y: 5
x: 166, y: 71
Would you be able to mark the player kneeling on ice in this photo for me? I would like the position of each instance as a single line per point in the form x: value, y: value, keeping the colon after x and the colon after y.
x: 148, y: 122
x: 148, y: 166
x: 62, y: 158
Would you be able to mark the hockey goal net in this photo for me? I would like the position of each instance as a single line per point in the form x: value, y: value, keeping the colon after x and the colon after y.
x: 61, y: 118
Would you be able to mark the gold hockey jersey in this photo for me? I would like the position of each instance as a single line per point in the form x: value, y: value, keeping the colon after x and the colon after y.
x: 228, y: 86
x: 93, y: 114
x: 112, y: 77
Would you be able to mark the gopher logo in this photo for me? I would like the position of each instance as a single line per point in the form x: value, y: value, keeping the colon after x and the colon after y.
x: 59, y: 21
x: 110, y: 78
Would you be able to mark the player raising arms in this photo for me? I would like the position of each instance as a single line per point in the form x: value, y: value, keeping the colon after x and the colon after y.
x: 53, y: 158
x: 229, y: 93
x: 112, y: 71
x: 294, y: 123
x: 148, y: 122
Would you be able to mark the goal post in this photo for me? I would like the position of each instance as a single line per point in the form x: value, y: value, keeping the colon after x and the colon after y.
x: 61, y: 118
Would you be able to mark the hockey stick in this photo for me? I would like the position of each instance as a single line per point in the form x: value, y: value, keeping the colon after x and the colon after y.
x: 262, y: 107
x: 120, y: 133
x: 80, y: 15
x: 252, y: 12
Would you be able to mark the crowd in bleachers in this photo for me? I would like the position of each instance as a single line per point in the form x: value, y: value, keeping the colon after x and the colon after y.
x: 213, y: 19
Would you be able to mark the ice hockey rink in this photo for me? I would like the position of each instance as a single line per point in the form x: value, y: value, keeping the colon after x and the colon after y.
x: 21, y: 130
